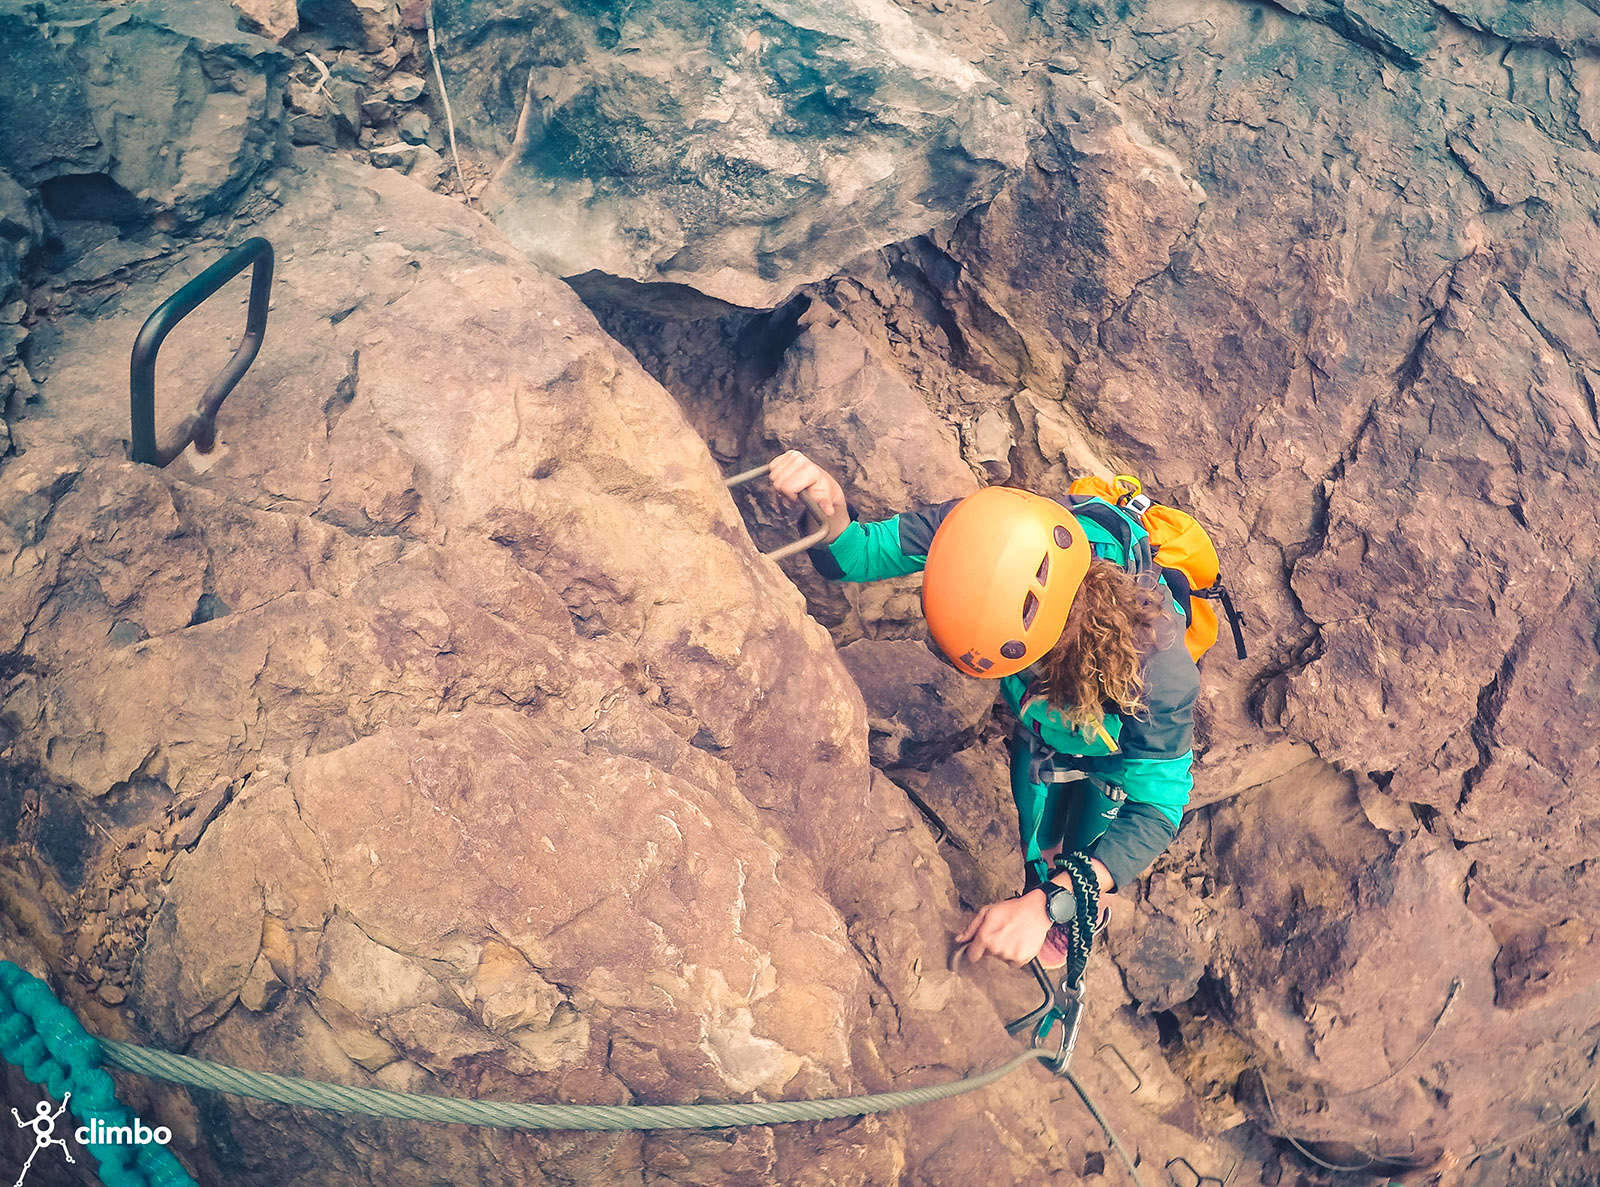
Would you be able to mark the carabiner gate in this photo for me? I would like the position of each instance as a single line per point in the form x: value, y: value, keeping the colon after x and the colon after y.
x: 1063, y: 1003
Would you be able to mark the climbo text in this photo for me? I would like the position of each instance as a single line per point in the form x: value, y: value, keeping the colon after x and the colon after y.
x: 98, y: 1133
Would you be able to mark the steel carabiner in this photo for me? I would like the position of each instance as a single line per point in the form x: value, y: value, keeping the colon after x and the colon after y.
x: 1062, y: 1003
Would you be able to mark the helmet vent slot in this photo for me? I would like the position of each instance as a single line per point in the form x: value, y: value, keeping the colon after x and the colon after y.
x: 1030, y: 607
x: 1043, y: 574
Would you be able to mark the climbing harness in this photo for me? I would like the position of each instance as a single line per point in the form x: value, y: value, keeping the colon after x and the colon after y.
x: 805, y: 542
x: 200, y: 427
x: 1046, y: 769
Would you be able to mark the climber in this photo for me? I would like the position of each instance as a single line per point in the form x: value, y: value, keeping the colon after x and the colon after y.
x: 1088, y: 646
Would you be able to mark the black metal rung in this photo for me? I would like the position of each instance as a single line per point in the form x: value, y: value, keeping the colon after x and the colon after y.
x: 1062, y: 1003
x: 201, y: 425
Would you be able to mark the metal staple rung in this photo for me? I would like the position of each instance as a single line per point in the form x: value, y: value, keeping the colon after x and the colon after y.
x: 200, y: 428
x: 797, y: 546
x: 1196, y: 1179
x: 1121, y: 1059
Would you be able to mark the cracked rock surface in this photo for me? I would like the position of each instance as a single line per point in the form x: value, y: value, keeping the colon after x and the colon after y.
x: 444, y: 731
x: 1325, y: 274
x: 741, y: 147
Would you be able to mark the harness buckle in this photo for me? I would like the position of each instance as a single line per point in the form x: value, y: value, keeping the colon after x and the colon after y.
x: 1130, y: 494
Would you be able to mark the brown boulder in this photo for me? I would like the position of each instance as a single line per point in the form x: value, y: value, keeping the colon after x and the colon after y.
x: 443, y: 731
x: 920, y: 709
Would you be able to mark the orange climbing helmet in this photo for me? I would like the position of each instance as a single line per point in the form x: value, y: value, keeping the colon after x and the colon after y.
x: 1002, y: 571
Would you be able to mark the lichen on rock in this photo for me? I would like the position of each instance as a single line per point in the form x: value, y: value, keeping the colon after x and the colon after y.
x: 740, y: 148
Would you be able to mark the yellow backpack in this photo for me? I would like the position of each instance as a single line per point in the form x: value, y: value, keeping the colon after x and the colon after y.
x: 1185, y: 554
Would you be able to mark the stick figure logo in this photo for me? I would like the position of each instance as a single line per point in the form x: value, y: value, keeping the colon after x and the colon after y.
x: 43, y: 1124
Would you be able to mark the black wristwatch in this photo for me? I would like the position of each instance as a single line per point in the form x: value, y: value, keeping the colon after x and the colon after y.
x: 1060, y: 905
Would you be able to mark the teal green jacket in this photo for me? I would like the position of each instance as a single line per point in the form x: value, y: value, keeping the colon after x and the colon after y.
x: 1145, y: 757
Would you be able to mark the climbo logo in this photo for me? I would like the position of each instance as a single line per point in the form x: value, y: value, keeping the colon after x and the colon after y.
x: 43, y: 1124
x: 97, y: 1132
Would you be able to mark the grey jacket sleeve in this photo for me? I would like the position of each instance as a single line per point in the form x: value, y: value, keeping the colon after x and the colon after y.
x: 1138, y: 836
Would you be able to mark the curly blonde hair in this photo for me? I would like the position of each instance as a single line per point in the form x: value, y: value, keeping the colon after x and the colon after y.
x: 1095, y: 665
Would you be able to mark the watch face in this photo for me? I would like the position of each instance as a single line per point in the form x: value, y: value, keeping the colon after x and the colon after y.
x: 1056, y: 901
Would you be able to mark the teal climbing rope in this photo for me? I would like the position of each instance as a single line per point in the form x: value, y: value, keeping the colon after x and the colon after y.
x: 45, y: 1040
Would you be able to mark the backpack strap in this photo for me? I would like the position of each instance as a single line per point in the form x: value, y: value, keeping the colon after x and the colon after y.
x: 1135, y: 546
x: 1182, y: 592
x: 1235, y: 620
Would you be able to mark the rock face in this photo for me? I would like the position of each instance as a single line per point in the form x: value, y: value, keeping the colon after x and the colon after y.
x: 21, y: 236
x: 921, y: 710
x: 1399, y: 381
x: 1097, y: 213
x: 354, y: 24
x: 443, y: 731
x: 151, y: 111
x: 1320, y: 273
x: 742, y: 147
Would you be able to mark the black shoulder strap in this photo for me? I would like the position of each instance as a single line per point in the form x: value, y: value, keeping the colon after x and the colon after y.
x: 1182, y: 593
x: 1235, y: 619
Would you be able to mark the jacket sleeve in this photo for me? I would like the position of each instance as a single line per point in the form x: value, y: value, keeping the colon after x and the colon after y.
x: 881, y: 548
x: 1152, y: 766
